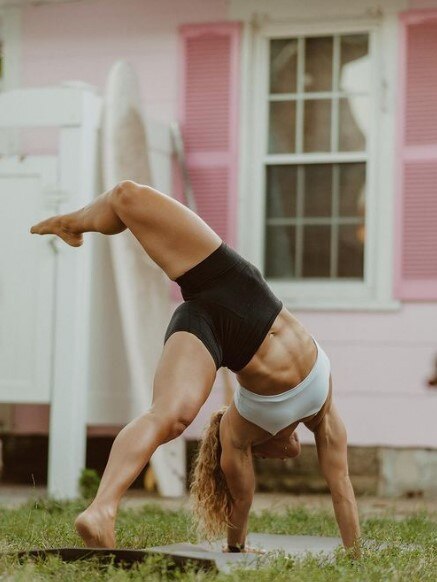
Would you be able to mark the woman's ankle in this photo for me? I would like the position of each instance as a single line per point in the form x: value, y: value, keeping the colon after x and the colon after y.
x: 105, y: 507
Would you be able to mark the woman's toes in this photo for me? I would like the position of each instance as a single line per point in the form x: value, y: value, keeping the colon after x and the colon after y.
x: 58, y: 226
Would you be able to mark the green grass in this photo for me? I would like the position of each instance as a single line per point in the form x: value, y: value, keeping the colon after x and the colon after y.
x: 49, y: 524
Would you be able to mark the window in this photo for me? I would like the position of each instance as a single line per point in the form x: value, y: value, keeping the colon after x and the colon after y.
x: 319, y: 97
x: 317, y: 166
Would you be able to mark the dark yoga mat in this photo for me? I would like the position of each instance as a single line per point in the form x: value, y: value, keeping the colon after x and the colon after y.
x: 271, y: 543
x: 205, y: 555
x: 122, y: 557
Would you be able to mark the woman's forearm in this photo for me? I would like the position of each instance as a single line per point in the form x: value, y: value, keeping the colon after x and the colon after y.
x: 346, y: 512
x: 237, y: 532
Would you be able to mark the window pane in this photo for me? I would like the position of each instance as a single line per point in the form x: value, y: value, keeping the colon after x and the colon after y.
x: 280, y: 252
x: 283, y: 65
x: 318, y: 189
x: 351, y: 251
x: 354, y: 115
x: 282, y: 127
x: 354, y: 62
x: 317, y: 125
x: 316, y: 251
x: 281, y: 191
x: 352, y: 200
x: 318, y: 64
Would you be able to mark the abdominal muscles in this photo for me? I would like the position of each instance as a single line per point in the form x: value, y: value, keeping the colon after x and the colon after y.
x: 284, y: 358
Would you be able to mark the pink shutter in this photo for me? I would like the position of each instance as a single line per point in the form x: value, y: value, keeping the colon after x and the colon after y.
x: 416, y: 244
x: 209, y: 120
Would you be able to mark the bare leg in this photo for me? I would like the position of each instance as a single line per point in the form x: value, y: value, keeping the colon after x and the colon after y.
x: 183, y: 381
x: 176, y: 239
x: 171, y: 234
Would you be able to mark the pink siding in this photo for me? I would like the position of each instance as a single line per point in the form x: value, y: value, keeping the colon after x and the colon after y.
x: 416, y: 266
x: 381, y: 360
x: 81, y: 40
x: 381, y: 363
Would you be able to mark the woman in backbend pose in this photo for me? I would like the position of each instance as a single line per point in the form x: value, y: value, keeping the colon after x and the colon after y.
x: 230, y: 318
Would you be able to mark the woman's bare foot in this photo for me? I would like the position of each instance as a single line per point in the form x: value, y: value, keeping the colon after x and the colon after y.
x: 60, y: 227
x: 96, y: 527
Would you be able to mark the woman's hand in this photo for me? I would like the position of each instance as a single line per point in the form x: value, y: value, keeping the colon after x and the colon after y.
x: 245, y: 550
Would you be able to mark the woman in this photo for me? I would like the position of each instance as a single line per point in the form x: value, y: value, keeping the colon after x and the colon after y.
x: 231, y: 318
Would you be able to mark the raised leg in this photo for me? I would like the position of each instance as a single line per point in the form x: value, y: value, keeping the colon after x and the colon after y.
x: 183, y: 381
x: 171, y: 234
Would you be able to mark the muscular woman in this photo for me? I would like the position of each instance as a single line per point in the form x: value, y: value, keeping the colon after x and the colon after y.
x: 229, y: 317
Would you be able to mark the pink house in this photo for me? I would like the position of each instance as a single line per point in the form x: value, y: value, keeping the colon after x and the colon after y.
x: 311, y: 138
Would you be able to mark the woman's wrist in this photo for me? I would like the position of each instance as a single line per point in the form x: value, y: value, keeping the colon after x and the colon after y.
x: 235, y: 548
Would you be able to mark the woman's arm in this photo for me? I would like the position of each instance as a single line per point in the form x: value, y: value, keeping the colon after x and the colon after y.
x: 237, y: 465
x: 331, y: 442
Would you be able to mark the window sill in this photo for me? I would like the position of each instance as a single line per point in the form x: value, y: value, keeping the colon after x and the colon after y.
x: 333, y: 296
x: 340, y: 305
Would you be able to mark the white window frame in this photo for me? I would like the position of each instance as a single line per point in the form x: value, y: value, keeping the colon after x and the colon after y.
x: 375, y: 290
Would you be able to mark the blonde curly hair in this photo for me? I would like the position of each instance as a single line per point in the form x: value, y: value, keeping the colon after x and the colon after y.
x: 212, y: 501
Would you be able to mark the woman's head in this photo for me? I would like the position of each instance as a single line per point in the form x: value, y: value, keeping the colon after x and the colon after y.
x: 212, y: 500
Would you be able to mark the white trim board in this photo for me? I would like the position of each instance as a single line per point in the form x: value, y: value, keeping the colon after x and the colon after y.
x: 291, y: 11
x: 46, y: 107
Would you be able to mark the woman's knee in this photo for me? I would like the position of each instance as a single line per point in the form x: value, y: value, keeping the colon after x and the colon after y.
x: 174, y: 422
x: 287, y: 447
x: 126, y: 193
x: 292, y: 446
x: 293, y: 450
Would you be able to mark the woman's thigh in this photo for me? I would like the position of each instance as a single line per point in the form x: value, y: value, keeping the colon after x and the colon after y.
x: 175, y: 237
x: 184, y: 377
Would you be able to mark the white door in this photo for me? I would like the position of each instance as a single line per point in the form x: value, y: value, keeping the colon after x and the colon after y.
x: 27, y: 276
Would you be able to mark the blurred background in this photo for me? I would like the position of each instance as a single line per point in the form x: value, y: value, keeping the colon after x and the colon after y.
x: 304, y: 133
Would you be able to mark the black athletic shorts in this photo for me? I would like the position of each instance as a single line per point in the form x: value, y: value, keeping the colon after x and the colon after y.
x: 227, y: 305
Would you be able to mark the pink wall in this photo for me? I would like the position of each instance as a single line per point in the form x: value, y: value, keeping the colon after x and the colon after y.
x: 81, y: 40
x: 381, y: 361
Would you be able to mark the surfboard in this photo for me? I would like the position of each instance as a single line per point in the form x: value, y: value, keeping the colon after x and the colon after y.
x: 142, y: 287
